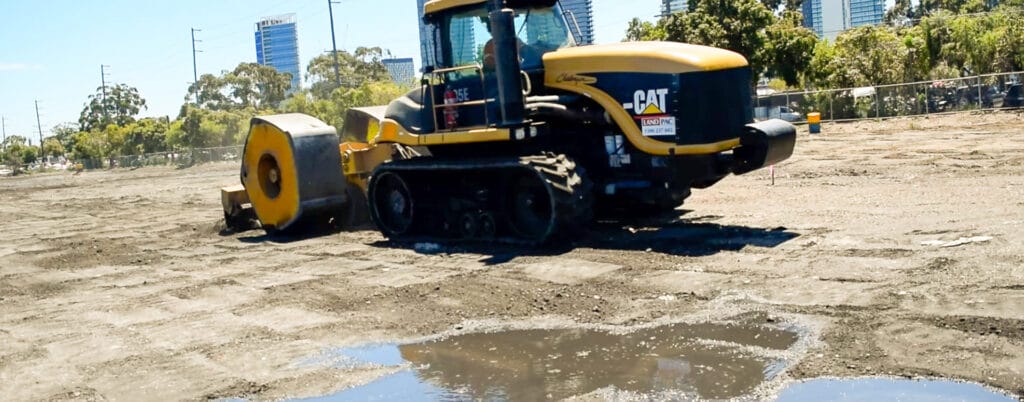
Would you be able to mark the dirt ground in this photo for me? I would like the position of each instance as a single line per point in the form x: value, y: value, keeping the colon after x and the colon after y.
x: 120, y: 284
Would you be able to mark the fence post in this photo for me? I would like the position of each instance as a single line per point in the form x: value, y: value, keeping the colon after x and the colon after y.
x: 878, y: 103
x: 927, y: 98
x: 981, y: 103
x: 832, y: 112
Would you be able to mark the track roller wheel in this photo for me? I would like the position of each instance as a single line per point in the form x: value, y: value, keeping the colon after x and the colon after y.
x: 531, y: 214
x: 469, y: 225
x: 391, y: 203
x: 488, y: 226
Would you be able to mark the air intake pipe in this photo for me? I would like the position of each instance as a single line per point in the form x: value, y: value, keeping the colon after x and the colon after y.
x: 506, y: 61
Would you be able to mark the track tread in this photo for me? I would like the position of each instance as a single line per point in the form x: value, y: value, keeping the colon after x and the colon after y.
x: 571, y: 192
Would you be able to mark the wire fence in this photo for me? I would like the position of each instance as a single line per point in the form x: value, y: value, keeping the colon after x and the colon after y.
x: 180, y: 158
x: 982, y: 92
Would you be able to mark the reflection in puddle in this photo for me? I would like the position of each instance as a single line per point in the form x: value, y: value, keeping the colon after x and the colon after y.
x: 705, y: 360
x: 883, y: 389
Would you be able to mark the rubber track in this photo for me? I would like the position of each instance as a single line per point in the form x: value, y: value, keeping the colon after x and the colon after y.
x: 567, y: 184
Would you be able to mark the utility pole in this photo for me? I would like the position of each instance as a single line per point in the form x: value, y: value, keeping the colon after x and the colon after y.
x: 39, y: 126
x: 103, y: 88
x: 103, y: 80
x: 195, y: 70
x: 334, y: 43
x: 3, y: 124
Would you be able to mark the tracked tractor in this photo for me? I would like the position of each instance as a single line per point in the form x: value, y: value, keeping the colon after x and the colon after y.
x: 515, y: 134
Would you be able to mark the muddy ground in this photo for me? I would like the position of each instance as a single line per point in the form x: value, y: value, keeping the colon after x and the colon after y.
x: 121, y: 285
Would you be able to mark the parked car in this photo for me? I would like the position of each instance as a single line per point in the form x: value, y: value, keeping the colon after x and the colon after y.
x: 1014, y: 96
x: 789, y: 115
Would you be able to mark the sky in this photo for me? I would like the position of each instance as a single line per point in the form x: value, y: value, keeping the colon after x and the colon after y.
x: 51, y: 51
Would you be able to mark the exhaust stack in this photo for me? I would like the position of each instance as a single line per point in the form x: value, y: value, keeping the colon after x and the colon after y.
x: 507, y: 68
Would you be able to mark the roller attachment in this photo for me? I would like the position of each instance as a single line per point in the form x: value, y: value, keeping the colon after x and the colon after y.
x: 292, y: 171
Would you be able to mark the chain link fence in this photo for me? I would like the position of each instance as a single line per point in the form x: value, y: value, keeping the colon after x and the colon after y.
x: 982, y: 92
x: 180, y: 158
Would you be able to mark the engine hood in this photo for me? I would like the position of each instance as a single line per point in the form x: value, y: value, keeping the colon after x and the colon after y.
x: 639, y: 57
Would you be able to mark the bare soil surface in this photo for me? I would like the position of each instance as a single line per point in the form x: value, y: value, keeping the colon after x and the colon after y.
x: 123, y: 285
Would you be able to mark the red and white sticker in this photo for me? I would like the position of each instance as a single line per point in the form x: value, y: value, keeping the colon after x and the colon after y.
x: 657, y: 126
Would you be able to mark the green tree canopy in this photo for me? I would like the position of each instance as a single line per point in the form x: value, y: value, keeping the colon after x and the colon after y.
x: 17, y: 152
x: 119, y: 105
x: 53, y: 147
x: 64, y: 133
x: 248, y: 86
x: 257, y: 86
x: 354, y: 68
x: 772, y: 43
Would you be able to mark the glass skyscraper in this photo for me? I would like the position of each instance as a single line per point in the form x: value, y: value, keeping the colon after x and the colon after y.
x: 828, y: 18
x: 277, y: 45
x: 866, y: 12
x: 426, y: 38
x: 401, y: 70
x: 669, y: 7
x: 583, y: 12
x: 812, y: 16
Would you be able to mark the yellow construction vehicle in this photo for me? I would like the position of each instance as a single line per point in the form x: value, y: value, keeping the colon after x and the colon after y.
x: 515, y: 134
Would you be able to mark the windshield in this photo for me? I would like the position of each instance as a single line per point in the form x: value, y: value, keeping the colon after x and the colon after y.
x: 539, y: 30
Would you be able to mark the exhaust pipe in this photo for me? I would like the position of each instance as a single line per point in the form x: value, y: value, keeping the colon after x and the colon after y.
x: 762, y: 144
x: 507, y: 68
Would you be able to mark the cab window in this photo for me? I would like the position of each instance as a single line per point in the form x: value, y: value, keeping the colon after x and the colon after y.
x: 539, y: 30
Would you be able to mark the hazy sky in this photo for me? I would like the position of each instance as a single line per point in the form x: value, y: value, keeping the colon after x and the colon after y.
x: 51, y: 51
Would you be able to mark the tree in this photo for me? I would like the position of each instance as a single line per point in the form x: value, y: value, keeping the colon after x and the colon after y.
x: 645, y: 31
x: 17, y: 153
x: 737, y: 25
x: 89, y: 145
x: 789, y: 47
x: 899, y: 13
x: 65, y: 133
x: 210, y: 92
x: 955, y: 6
x: 146, y: 136
x: 258, y: 86
x: 53, y: 147
x: 862, y: 56
x: 119, y: 106
x: 202, y: 128
x: 354, y: 68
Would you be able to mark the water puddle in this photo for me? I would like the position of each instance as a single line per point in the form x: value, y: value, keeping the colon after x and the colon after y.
x: 884, y: 389
x: 711, y: 361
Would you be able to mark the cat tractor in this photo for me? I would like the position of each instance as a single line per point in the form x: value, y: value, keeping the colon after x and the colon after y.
x: 515, y: 134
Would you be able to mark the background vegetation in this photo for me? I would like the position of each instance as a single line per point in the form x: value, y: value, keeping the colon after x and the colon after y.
x: 938, y: 39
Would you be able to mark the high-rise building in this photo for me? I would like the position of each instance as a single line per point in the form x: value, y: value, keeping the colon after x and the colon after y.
x: 582, y: 11
x: 426, y: 38
x: 828, y: 18
x: 812, y: 16
x: 866, y: 12
x: 277, y: 45
x: 669, y: 7
x: 402, y: 71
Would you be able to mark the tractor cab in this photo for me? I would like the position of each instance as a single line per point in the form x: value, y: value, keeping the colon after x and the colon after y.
x: 461, y: 36
x: 463, y: 65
